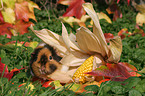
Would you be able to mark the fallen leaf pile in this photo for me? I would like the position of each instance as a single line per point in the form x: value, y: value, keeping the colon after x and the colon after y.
x: 76, y: 49
x: 15, y: 15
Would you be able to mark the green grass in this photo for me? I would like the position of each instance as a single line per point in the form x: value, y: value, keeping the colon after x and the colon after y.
x: 19, y: 56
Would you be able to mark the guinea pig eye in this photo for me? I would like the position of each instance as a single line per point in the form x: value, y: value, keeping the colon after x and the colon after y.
x: 50, y: 57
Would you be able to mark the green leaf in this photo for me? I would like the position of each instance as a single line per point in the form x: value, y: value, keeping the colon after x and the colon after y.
x: 93, y: 88
x: 2, y: 54
x: 131, y: 82
x: 118, y: 90
x: 5, y: 60
x: 134, y: 92
x: 89, y: 94
x: 21, y: 75
x: 141, y: 86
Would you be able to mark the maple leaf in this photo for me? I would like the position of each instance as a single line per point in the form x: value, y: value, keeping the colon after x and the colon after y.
x: 22, y: 27
x: 22, y: 11
x: 5, y: 29
x: 117, y: 72
x: 8, y: 15
x: 75, y: 9
x: 8, y: 74
x: 114, y: 9
x: 9, y: 3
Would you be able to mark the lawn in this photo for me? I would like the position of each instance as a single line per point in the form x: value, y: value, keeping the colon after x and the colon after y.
x: 15, y: 52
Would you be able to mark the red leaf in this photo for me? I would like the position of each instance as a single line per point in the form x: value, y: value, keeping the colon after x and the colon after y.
x: 75, y: 9
x: 122, y: 33
x: 8, y: 74
x: 22, y: 27
x: 117, y: 72
x: 5, y: 29
x: 47, y: 84
x: 22, y: 11
x: 114, y: 9
x: 108, y: 36
x: 1, y: 18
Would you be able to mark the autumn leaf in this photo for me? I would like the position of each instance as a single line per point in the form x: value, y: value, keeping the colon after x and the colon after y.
x: 22, y: 11
x: 7, y: 74
x: 9, y: 15
x: 75, y: 9
x: 1, y: 18
x: 115, y: 10
x: 65, y: 2
x: 140, y: 18
x: 117, y: 72
x: 122, y: 33
x: 9, y: 3
x: 47, y: 84
x: 108, y: 36
x: 21, y: 27
x: 5, y: 29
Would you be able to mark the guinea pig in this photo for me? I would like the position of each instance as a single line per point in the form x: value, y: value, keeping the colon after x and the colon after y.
x: 44, y: 61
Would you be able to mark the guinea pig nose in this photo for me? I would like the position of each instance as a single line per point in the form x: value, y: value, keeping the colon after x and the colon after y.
x: 52, y: 67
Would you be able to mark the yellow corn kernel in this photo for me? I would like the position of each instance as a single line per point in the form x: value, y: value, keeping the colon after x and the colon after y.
x: 87, y: 66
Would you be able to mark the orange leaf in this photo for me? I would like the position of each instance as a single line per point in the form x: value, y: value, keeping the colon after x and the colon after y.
x: 47, y: 84
x: 22, y: 11
x: 22, y: 27
x: 75, y: 9
x: 5, y: 29
x: 122, y: 33
x: 108, y: 36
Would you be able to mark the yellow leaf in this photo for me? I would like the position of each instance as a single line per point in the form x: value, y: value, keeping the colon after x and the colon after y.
x: 72, y: 20
x: 140, y: 19
x: 32, y: 5
x: 102, y: 15
x: 33, y: 44
x: 9, y: 3
x: 9, y: 15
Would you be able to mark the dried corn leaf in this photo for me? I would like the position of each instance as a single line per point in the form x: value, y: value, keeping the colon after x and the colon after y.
x: 116, y: 49
x: 96, y: 27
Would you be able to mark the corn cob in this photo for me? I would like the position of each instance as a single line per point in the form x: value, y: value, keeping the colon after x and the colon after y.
x: 87, y: 66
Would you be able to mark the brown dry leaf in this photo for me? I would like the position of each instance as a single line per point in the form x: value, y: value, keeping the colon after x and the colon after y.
x: 50, y: 38
x: 116, y: 49
x: 96, y: 27
x: 87, y: 41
